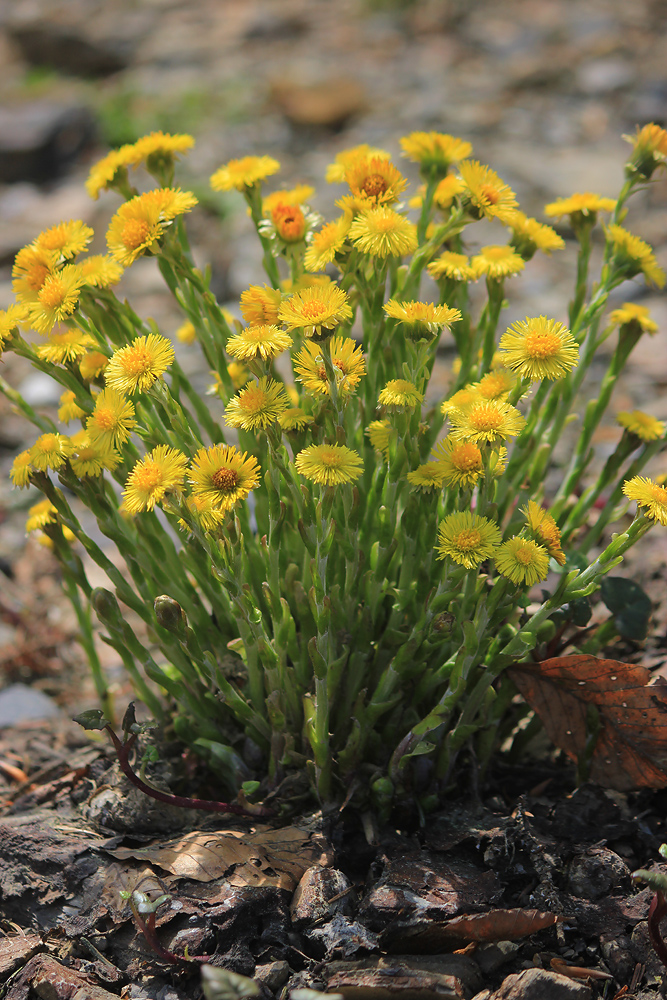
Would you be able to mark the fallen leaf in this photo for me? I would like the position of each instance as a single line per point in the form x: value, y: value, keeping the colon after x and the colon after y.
x: 260, y: 857
x: 577, y: 972
x: 631, y: 747
x: 432, y: 937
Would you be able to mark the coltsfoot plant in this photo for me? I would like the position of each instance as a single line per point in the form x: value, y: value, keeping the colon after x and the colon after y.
x: 334, y: 576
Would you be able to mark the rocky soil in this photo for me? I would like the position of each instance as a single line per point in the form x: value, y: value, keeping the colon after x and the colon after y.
x: 544, y: 89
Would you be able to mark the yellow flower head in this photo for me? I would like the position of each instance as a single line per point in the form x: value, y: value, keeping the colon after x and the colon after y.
x: 455, y: 266
x: 427, y: 477
x: 443, y: 197
x: 294, y: 196
x: 649, y: 149
x: 631, y: 314
x: 495, y: 384
x: 111, y: 170
x: 488, y: 420
x: 69, y: 409
x: 141, y: 222
x: 467, y: 539
x: 57, y: 299
x: 257, y: 405
x: 41, y: 514
x: 580, y: 207
x: 648, y: 494
x: 67, y: 239
x: 529, y: 235
x: 91, y: 458
x: 434, y: 151
x: 186, y: 333
x: 21, y: 469
x: 545, y: 530
x: 260, y: 304
x: 111, y: 421
x: 422, y: 319
x: 522, y: 560
x: 642, y: 425
x: 159, y: 150
x: 32, y: 266
x: 497, y: 262
x: 289, y: 222
x: 400, y: 392
x: 489, y: 197
x: 461, y: 461
x: 295, y: 419
x: 347, y: 157
x: 244, y: 173
x: 100, y: 271
x: 632, y: 256
x: 203, y: 513
x: 136, y: 367
x: 160, y: 472
x: 329, y: 464
x: 460, y: 400
x: 375, y: 181
x: 317, y: 310
x: 222, y: 476
x: 382, y: 232
x: 239, y: 374
x: 66, y: 344
x: 264, y: 341
x: 539, y: 348
x: 50, y: 451
x: 11, y: 318
x: 325, y: 244
x: 92, y: 365
x: 348, y: 361
x: 380, y: 433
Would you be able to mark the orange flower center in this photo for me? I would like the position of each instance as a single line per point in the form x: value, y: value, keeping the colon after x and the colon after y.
x: 485, y: 420
x: 53, y: 295
x: 374, y: 185
x: 48, y: 443
x: 105, y: 418
x: 148, y: 478
x: 313, y: 310
x: 37, y: 276
x: 467, y: 458
x: 225, y: 479
x: 290, y: 222
x: 489, y: 194
x: 329, y: 457
x: 542, y: 343
x: 468, y: 539
x: 524, y: 555
x: 253, y: 399
x: 135, y: 233
x: 659, y: 493
x: 137, y: 361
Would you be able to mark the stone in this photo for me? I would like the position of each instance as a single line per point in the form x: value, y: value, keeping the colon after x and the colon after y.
x: 39, y: 141
x: 19, y: 702
x: 312, y: 898
x: 273, y: 975
x: 538, y: 984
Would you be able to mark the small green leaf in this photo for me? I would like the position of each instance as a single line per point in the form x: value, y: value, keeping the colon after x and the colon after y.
x: 93, y: 718
x: 220, y: 984
x: 629, y: 604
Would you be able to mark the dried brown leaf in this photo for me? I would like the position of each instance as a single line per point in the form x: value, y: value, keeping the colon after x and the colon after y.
x: 631, y: 747
x: 260, y: 857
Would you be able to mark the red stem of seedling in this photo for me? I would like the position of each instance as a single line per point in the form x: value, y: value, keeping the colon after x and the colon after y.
x: 656, y: 912
x: 123, y: 749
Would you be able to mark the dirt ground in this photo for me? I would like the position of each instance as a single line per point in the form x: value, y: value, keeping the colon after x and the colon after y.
x: 544, y: 89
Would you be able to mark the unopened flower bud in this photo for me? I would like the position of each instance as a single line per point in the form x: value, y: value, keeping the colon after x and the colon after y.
x: 170, y: 614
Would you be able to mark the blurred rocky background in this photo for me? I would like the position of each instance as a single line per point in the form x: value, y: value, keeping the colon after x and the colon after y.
x: 544, y: 89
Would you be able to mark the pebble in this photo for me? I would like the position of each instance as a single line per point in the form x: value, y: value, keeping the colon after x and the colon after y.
x: 18, y: 702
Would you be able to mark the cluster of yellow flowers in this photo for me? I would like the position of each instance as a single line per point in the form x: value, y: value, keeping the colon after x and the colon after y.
x: 311, y: 316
